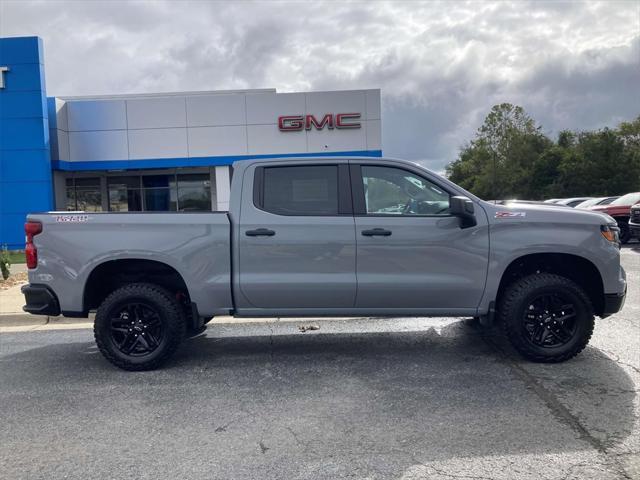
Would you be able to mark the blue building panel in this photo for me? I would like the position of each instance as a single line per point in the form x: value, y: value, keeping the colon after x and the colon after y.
x: 51, y: 112
x: 12, y: 230
x: 21, y: 165
x: 23, y: 77
x: 34, y: 196
x: 24, y: 133
x: 17, y: 50
x: 26, y: 104
x: 25, y: 159
x: 150, y: 163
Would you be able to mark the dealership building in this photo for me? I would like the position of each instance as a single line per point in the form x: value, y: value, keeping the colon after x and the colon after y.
x: 157, y: 151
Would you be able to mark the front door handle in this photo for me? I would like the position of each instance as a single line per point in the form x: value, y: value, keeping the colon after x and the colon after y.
x: 260, y: 232
x: 376, y: 232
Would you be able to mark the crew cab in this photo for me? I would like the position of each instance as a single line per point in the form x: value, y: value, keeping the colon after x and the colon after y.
x: 345, y: 237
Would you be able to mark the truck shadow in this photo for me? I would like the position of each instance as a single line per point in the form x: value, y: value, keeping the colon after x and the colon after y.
x: 469, y: 374
x: 434, y: 393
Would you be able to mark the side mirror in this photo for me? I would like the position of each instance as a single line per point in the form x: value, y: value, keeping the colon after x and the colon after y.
x: 463, y: 207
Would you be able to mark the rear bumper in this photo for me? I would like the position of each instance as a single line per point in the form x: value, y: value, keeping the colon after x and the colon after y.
x: 613, y: 303
x: 40, y: 300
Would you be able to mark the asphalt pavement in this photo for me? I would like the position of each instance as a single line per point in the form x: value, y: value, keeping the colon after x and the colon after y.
x: 360, y: 399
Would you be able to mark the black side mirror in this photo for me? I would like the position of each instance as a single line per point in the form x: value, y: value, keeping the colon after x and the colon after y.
x: 463, y: 207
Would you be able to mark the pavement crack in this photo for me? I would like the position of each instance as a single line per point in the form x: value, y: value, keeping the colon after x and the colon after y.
x: 305, y: 445
x: 263, y: 447
x: 271, y: 344
x: 616, y: 358
x: 562, y: 413
x: 447, y: 474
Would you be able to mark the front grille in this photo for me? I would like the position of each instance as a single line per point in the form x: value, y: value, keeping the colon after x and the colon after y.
x: 635, y: 215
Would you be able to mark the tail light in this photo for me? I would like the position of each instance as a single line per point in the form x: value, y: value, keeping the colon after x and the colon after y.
x: 31, y: 229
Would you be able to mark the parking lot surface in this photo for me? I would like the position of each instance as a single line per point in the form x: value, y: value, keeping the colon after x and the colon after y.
x: 364, y: 399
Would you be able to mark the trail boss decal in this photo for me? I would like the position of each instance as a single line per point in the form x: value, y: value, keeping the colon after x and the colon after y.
x: 72, y: 218
x: 297, y: 123
x: 510, y: 214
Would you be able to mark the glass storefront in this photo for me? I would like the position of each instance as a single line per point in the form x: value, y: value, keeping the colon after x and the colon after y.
x: 140, y: 193
x: 84, y: 194
x: 159, y: 193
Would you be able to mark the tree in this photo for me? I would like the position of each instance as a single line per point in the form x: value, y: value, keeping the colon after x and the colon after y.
x: 511, y: 158
x: 501, y: 156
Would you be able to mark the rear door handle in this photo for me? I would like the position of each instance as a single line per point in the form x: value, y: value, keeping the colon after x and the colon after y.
x: 376, y: 232
x: 260, y: 232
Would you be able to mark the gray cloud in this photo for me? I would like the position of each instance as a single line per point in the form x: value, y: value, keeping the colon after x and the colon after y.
x: 441, y: 65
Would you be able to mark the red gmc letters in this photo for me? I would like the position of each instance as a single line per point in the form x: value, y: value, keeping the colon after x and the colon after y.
x: 296, y: 123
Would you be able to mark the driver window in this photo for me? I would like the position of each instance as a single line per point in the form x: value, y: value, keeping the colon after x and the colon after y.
x: 394, y: 191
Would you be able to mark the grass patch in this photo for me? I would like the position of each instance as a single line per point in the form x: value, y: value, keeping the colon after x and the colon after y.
x: 16, y: 256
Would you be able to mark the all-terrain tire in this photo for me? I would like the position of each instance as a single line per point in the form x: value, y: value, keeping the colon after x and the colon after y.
x: 156, y: 303
x: 517, y: 302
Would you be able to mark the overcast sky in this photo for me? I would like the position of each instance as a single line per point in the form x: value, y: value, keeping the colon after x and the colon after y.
x: 441, y: 66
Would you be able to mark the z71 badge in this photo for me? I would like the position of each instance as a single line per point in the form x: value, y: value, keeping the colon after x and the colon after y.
x: 72, y: 218
x: 511, y: 214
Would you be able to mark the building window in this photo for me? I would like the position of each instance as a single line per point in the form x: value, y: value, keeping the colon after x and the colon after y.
x: 124, y: 194
x: 84, y: 194
x: 194, y: 193
x: 160, y: 193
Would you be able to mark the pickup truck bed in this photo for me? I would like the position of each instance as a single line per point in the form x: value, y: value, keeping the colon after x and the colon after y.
x: 196, y: 245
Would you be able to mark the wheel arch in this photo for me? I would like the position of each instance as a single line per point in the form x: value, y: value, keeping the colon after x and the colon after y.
x: 574, y: 267
x: 110, y: 275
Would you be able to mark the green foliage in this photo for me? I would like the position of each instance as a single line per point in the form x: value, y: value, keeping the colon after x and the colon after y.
x: 510, y: 157
x: 5, y: 262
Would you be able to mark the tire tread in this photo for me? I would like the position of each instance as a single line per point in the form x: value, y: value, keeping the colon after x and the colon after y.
x: 171, y: 308
x: 516, y: 292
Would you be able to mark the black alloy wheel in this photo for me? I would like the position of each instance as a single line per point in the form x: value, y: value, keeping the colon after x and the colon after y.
x: 550, y: 320
x: 139, y: 326
x: 136, y: 329
x: 547, y: 317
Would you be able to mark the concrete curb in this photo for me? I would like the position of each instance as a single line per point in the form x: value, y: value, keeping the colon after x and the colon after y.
x: 21, y: 320
x: 27, y: 320
x: 24, y: 322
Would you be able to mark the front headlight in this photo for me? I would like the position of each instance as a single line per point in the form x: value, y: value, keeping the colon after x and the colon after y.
x: 611, y: 232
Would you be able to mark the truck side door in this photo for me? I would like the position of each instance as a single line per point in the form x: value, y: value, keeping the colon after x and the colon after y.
x: 297, y: 237
x: 411, y: 254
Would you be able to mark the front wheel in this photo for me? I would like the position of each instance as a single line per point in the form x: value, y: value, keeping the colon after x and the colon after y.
x: 139, y: 326
x: 547, y: 317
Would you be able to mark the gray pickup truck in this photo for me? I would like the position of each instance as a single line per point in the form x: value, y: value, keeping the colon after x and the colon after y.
x: 328, y: 237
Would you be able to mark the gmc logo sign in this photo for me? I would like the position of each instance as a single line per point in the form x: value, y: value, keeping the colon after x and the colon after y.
x: 297, y: 123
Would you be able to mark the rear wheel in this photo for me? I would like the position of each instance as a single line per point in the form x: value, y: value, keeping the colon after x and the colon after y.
x: 547, y: 317
x: 139, y: 326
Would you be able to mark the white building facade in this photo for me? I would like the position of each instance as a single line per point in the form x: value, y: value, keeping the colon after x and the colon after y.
x: 173, y: 151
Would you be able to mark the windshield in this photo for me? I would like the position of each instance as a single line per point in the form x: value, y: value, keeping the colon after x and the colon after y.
x: 589, y: 203
x: 628, y: 199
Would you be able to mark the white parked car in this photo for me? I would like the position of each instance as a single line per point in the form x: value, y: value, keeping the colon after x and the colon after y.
x: 572, y: 202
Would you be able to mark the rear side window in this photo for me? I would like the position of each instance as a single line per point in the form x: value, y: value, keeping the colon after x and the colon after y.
x: 299, y: 190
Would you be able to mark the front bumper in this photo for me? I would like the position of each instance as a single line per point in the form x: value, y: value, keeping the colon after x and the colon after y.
x: 634, y: 228
x: 613, y: 303
x: 40, y: 300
